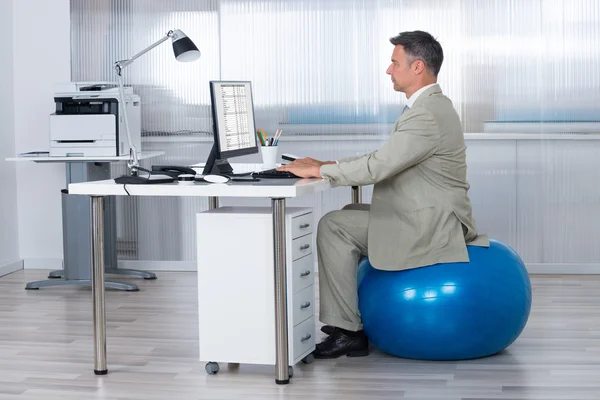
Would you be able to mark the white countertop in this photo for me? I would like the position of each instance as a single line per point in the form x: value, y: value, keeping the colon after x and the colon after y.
x: 274, y: 188
x: 48, y: 159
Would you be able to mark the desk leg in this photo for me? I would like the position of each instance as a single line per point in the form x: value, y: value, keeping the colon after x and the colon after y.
x: 97, y: 205
x: 356, y: 194
x: 281, y: 326
x: 213, y: 202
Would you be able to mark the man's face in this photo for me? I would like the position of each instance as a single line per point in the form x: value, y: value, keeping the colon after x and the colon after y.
x: 400, y: 70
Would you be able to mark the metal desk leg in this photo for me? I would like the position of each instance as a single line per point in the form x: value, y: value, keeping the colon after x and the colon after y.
x: 131, y: 272
x: 213, y: 202
x: 281, y: 326
x: 97, y: 215
x: 56, y: 274
x: 129, y: 287
x: 356, y: 194
x: 76, y: 219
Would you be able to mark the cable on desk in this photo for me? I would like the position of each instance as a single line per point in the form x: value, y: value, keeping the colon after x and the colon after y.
x: 125, y: 188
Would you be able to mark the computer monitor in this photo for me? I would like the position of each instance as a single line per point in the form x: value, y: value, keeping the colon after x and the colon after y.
x: 233, y: 123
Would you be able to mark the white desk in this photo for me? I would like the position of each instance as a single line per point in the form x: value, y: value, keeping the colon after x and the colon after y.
x: 47, y: 159
x: 278, y: 190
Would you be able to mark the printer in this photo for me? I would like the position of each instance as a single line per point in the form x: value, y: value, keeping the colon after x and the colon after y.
x: 88, y: 121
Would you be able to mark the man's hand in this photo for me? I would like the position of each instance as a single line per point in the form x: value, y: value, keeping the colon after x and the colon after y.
x: 305, y: 167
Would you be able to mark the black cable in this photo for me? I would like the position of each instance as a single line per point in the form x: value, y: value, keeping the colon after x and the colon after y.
x: 125, y: 188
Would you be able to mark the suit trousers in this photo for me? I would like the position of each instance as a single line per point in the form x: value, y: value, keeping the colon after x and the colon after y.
x: 341, y: 242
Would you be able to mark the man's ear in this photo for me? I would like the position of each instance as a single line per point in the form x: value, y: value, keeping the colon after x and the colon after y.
x: 418, y: 67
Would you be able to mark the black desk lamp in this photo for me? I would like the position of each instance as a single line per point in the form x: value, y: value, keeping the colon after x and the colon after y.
x: 185, y: 51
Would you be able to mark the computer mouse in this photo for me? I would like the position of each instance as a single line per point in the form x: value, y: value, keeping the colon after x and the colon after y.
x: 216, y: 178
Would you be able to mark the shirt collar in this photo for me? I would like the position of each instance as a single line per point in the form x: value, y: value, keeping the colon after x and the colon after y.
x: 410, y: 101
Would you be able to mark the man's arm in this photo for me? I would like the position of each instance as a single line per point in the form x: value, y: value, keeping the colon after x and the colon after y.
x: 414, y: 140
x: 348, y: 159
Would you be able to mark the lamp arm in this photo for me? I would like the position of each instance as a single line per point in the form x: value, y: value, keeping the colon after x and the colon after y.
x: 133, y: 157
x: 120, y: 65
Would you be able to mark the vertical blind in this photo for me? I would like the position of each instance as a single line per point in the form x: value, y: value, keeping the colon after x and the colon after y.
x: 319, y: 66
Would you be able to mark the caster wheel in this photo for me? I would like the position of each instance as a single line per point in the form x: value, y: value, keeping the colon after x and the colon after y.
x: 308, y: 359
x: 211, y: 368
x: 291, y: 371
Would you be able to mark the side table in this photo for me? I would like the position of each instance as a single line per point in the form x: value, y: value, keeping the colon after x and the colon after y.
x: 77, y: 268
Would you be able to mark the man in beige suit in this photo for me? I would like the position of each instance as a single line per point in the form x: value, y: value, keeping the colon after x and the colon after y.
x: 420, y: 213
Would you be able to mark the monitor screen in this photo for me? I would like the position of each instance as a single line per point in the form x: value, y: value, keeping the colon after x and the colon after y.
x: 233, y: 114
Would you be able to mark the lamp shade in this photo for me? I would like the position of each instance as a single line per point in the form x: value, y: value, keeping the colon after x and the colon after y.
x: 184, y: 49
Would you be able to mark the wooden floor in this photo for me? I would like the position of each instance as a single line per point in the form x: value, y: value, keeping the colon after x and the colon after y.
x: 46, y: 351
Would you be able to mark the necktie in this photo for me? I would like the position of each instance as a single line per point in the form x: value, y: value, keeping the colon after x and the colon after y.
x: 405, y: 109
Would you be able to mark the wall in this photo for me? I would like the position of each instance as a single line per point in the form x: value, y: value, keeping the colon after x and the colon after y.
x: 323, y: 62
x: 9, y: 245
x: 42, y: 58
x: 539, y: 197
x: 319, y: 67
x: 502, y: 64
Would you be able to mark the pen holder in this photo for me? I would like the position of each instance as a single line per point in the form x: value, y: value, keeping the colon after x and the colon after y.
x: 269, y: 156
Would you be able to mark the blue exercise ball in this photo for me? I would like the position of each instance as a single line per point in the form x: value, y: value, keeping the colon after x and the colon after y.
x: 452, y: 311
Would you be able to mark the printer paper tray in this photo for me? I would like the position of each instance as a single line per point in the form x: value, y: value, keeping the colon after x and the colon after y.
x: 83, y: 150
x: 82, y: 127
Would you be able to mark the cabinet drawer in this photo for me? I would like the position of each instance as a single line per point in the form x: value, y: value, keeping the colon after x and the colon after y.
x: 303, y: 273
x: 301, y: 247
x: 304, y: 337
x: 302, y: 225
x: 303, y: 305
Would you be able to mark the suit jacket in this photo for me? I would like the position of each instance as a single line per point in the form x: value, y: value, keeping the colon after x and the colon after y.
x: 420, y: 212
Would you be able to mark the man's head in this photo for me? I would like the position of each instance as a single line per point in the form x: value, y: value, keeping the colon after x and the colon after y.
x: 416, y: 61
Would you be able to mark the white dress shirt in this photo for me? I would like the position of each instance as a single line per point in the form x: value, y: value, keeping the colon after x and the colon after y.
x: 411, y: 100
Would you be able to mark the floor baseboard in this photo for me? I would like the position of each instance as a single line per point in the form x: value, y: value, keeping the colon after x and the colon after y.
x: 191, y: 266
x: 174, y: 266
x: 563, y: 269
x: 11, y: 267
x: 43, y: 263
x: 532, y: 268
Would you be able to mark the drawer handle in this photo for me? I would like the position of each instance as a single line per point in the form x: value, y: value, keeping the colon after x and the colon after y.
x: 305, y: 338
x: 304, y: 226
x: 305, y: 247
x: 305, y: 273
x: 305, y: 305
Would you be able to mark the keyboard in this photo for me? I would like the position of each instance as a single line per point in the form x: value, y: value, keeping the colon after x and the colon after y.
x: 274, y: 174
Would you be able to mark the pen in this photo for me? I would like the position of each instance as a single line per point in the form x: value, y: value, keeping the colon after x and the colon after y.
x: 278, y: 135
x: 259, y: 136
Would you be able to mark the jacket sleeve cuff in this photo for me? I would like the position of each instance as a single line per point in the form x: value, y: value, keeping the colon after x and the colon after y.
x: 329, y: 171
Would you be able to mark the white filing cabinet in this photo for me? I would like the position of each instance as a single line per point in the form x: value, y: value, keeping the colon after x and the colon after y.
x: 236, y: 286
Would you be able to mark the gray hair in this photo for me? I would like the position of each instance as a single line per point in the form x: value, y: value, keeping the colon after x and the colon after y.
x: 421, y: 45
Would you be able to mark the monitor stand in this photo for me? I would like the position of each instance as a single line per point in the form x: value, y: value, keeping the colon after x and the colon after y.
x: 217, y: 166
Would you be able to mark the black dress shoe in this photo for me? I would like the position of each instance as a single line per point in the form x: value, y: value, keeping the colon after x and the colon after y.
x: 328, y: 329
x: 340, y: 342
